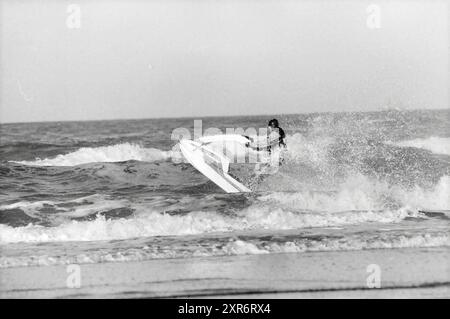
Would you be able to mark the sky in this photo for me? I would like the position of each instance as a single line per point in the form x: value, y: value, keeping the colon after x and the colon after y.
x: 150, y: 59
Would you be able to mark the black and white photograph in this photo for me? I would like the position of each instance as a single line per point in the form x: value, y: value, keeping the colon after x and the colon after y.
x: 226, y: 149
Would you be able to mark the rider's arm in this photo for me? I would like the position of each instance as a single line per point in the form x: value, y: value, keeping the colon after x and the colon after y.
x: 267, y: 143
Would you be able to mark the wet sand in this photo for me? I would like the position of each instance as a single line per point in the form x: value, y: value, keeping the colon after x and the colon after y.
x: 404, y: 273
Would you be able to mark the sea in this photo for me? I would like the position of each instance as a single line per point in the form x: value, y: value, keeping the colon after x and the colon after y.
x: 120, y: 190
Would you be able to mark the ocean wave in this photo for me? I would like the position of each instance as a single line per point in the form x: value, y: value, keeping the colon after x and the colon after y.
x: 359, y: 192
x: 97, y: 217
x: 148, y: 224
x: 240, y: 247
x: 436, y: 145
x: 232, y: 246
x: 63, y: 210
x: 113, y: 153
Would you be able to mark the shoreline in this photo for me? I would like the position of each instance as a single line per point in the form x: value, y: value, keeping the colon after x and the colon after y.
x: 403, y: 273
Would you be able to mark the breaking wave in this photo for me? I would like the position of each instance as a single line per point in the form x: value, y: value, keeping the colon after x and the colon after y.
x: 358, y: 201
x: 233, y: 246
x: 361, y: 193
x: 160, y: 224
x: 113, y: 153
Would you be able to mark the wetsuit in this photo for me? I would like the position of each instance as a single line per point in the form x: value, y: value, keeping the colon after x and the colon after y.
x: 281, y: 139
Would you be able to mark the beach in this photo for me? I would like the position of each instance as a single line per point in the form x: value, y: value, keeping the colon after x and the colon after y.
x: 405, y: 273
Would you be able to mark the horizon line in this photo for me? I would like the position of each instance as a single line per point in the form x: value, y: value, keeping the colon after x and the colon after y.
x: 397, y: 109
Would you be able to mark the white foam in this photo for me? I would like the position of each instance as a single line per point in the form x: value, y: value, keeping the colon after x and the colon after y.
x: 359, y: 200
x: 359, y: 192
x: 420, y: 240
x: 150, y: 223
x: 240, y: 247
x: 437, y: 145
x: 113, y: 153
x: 233, y: 247
x: 436, y: 198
